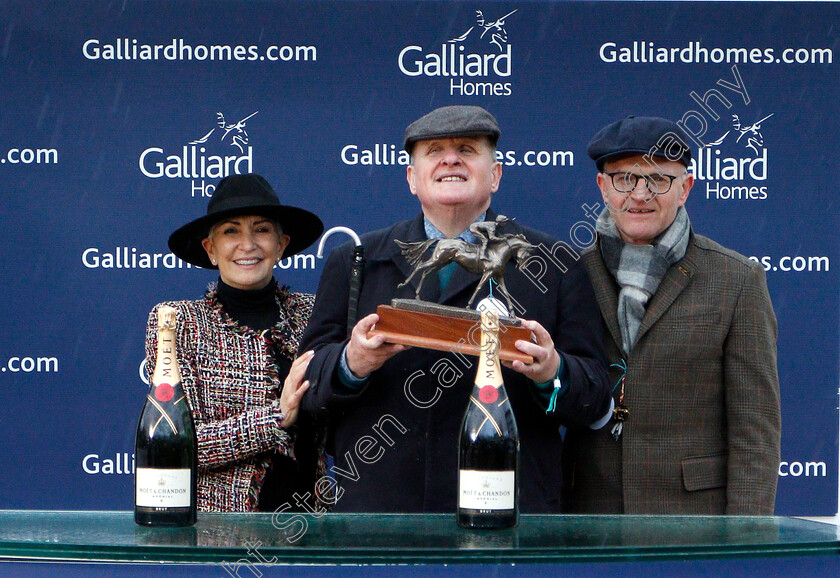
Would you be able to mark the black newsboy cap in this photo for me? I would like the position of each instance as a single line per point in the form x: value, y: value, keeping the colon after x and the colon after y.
x: 640, y: 135
x: 452, y: 121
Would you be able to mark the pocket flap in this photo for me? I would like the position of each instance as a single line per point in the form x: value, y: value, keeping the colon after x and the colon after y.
x: 704, y: 472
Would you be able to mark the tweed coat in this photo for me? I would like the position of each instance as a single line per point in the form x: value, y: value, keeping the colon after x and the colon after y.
x: 396, y: 440
x: 231, y: 382
x: 703, y: 433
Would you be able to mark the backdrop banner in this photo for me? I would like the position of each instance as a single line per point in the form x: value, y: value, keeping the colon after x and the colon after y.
x: 119, y: 118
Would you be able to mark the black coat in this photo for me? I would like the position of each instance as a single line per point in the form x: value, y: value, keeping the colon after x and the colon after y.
x: 396, y: 440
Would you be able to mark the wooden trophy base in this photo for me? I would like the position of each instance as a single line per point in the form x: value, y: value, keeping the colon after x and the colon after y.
x: 432, y: 326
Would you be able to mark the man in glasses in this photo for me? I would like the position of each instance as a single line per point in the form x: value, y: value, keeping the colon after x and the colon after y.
x: 691, y: 336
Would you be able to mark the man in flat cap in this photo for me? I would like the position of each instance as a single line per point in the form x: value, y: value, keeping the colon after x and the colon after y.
x: 691, y: 339
x: 395, y: 412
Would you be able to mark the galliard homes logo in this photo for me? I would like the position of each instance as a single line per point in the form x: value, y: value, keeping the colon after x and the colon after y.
x: 233, y: 133
x: 494, y: 30
x: 754, y: 138
x: 223, y: 150
x: 735, y: 165
x: 476, y: 63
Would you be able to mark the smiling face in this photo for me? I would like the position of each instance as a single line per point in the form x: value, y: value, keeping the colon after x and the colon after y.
x: 454, y: 179
x: 641, y: 216
x: 245, y: 247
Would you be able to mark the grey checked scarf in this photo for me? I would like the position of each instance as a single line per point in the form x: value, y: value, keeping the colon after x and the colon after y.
x: 639, y: 269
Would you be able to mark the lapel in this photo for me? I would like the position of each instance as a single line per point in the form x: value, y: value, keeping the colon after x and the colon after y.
x: 410, y: 232
x: 606, y: 291
x: 675, y: 281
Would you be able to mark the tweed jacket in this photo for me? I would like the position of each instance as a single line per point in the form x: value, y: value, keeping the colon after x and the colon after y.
x: 231, y: 383
x: 396, y: 440
x: 701, y: 385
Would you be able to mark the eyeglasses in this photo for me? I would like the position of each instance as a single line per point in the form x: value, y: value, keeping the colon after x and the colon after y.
x: 657, y: 183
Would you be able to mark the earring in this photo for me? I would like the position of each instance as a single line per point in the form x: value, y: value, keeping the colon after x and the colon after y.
x: 213, y: 261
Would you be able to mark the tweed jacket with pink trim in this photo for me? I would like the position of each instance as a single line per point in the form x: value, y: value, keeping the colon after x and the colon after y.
x: 232, y: 384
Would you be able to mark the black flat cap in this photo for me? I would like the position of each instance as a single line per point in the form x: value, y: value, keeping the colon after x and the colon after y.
x: 452, y: 121
x: 640, y: 135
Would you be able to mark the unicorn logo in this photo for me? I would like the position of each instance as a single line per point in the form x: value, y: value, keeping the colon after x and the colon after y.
x: 236, y: 132
x: 496, y: 28
x: 754, y: 138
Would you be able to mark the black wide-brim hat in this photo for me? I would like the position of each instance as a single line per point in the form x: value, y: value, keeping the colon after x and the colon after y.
x: 248, y: 194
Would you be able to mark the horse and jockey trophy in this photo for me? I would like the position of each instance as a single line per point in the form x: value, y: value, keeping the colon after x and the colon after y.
x: 423, y: 324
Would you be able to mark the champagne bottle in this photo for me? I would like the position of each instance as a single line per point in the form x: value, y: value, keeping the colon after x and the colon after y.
x: 165, y: 446
x: 488, y: 458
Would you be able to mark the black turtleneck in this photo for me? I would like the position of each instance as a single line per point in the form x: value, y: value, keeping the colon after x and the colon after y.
x: 255, y: 308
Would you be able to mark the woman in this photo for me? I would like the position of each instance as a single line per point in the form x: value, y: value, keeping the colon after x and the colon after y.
x: 236, y: 348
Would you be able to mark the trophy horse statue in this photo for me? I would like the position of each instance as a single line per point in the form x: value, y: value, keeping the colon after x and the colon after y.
x: 419, y: 323
x: 488, y: 258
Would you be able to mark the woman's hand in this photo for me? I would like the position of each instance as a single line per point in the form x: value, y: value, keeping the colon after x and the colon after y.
x: 293, y: 389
